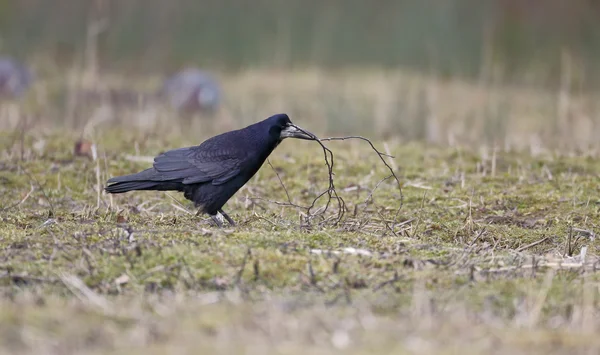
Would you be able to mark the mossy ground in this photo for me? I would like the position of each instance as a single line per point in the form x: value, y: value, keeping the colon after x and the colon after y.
x: 492, y: 251
x: 484, y: 257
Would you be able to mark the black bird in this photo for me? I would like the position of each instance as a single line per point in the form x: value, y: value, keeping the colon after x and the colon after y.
x: 210, y: 173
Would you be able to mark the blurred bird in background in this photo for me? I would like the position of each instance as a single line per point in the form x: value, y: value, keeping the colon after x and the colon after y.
x: 192, y: 90
x: 15, y: 78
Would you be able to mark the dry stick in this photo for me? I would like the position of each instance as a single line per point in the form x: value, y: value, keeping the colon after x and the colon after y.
x: 370, y: 196
x: 331, y: 191
x: 22, y: 127
x: 240, y: 272
x: 20, y: 202
x: 281, y: 182
x: 31, y: 177
x: 278, y: 203
x: 381, y: 157
x: 530, y: 245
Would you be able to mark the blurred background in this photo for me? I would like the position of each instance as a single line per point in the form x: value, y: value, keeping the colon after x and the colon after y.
x: 509, y: 73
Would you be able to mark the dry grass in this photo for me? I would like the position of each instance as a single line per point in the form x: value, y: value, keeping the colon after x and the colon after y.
x: 376, y: 103
x: 494, y: 250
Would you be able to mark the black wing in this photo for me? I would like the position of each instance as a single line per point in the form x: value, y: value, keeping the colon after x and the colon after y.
x: 199, y: 164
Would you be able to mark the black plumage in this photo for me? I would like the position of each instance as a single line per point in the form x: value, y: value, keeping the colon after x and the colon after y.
x: 211, y: 173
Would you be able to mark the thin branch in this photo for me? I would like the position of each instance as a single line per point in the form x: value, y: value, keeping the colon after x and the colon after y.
x: 20, y: 202
x: 381, y: 157
x: 331, y: 191
x: 281, y: 182
x: 531, y: 245
x: 31, y: 177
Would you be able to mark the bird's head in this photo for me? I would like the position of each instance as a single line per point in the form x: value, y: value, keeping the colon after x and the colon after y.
x: 280, y: 127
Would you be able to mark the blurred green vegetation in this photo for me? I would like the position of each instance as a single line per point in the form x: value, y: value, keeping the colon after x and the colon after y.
x: 511, y: 40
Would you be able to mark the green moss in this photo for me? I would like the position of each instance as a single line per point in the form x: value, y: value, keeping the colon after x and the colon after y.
x: 456, y: 224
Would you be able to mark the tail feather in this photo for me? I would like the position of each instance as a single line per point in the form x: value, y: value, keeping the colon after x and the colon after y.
x: 125, y: 186
x: 139, y: 181
x: 148, y: 179
x: 146, y: 175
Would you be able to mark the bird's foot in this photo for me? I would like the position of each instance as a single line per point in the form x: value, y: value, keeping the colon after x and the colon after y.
x: 229, y: 219
x: 218, y: 221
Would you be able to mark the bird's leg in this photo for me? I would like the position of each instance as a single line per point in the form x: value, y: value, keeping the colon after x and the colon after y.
x: 217, y: 220
x: 229, y: 219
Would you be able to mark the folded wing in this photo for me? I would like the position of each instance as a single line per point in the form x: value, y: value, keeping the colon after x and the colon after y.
x: 194, y: 165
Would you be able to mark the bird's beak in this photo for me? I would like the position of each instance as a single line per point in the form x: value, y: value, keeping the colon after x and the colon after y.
x: 293, y: 131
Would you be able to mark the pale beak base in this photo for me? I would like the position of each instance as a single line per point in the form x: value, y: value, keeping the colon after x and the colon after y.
x: 293, y: 131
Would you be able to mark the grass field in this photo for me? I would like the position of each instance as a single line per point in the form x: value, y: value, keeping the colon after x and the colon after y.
x: 492, y: 251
